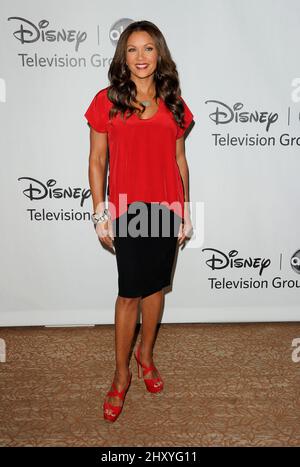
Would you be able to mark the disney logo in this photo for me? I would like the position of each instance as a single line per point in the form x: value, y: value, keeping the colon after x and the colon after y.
x: 221, y: 261
x: 38, y: 190
x: 29, y: 32
x: 225, y: 114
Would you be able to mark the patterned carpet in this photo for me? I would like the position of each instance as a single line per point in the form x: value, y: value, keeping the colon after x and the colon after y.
x: 225, y: 385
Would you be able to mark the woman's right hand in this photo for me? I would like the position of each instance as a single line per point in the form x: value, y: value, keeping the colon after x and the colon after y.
x: 104, y: 231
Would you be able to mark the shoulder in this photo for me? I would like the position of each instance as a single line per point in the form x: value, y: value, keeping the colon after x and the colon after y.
x: 183, y: 102
x: 187, y: 111
x: 187, y: 120
x: 101, y: 97
x: 97, y: 112
x: 103, y: 92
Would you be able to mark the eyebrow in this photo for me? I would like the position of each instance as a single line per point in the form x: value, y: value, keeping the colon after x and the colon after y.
x: 131, y: 45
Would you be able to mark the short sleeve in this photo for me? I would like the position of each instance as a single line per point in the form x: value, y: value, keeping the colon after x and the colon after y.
x: 188, y: 118
x: 97, y: 112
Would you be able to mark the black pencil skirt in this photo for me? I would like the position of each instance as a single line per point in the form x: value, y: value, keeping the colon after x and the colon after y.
x: 145, y: 241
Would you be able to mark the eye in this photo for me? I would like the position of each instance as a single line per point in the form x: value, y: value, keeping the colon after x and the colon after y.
x: 132, y: 48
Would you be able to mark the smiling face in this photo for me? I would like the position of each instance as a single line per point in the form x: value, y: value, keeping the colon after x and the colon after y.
x: 141, y: 54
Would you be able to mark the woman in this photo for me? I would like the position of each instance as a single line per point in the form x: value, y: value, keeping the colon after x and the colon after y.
x: 141, y: 118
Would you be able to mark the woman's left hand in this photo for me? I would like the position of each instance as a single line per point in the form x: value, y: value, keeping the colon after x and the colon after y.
x: 185, y: 230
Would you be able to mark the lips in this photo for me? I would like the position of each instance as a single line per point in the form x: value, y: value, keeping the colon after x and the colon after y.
x: 141, y: 66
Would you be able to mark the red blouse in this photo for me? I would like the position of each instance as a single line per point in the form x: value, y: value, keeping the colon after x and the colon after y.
x: 142, y: 155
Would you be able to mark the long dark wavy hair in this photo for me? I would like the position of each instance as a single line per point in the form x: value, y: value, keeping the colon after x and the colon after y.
x: 122, y: 90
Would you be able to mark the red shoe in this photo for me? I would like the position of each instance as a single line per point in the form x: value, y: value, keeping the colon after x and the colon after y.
x: 153, y: 384
x: 111, y: 412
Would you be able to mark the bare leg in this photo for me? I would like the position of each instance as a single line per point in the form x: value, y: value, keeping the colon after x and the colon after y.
x: 126, y: 314
x: 151, y: 309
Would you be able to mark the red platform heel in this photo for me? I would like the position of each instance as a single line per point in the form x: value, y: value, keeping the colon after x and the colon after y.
x: 153, y: 384
x: 112, y: 412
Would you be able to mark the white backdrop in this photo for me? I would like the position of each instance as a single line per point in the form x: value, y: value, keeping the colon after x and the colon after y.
x: 239, y: 70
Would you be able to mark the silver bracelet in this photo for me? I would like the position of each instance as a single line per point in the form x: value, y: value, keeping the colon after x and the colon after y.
x: 100, y: 216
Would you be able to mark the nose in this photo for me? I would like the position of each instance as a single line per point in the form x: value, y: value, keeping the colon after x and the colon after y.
x: 140, y: 54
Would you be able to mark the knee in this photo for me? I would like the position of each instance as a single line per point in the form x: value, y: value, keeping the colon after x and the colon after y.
x: 128, y: 301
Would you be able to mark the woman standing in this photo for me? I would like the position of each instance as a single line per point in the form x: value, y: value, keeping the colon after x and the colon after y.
x: 141, y: 118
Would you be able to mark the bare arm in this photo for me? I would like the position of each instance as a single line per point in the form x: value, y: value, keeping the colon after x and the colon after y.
x: 183, y: 167
x: 185, y: 231
x: 97, y: 168
x: 97, y: 177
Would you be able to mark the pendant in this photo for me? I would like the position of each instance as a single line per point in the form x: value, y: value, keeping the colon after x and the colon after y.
x: 146, y: 103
